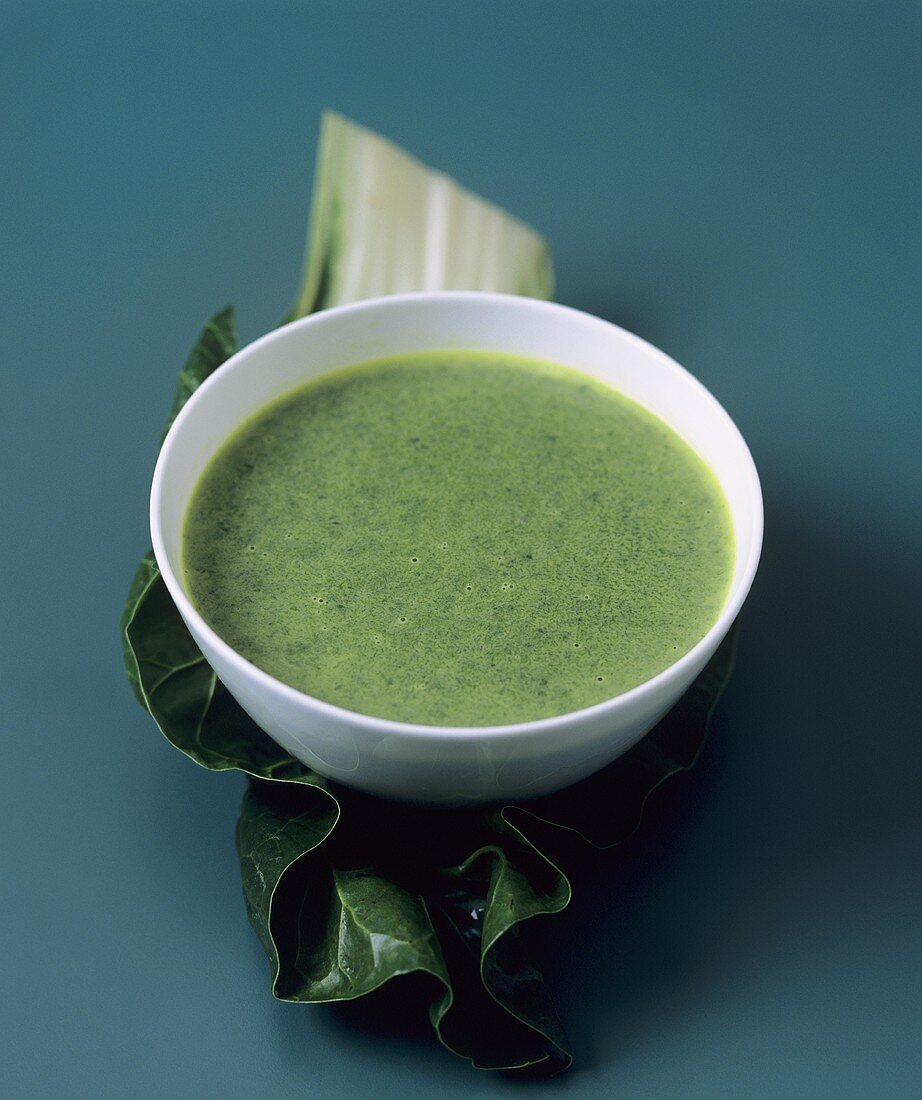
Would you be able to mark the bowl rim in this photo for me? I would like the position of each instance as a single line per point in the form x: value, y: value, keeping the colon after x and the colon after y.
x: 549, y: 726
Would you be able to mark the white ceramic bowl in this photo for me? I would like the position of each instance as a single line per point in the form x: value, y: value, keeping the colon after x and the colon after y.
x: 440, y: 763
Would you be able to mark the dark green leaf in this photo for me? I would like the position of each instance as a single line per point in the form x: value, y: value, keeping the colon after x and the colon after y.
x: 484, y: 899
x: 271, y: 839
x: 347, y: 892
x: 193, y: 709
x: 217, y: 342
x: 342, y: 908
x: 333, y: 931
x: 165, y: 667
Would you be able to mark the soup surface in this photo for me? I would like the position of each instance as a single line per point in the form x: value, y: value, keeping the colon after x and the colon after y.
x: 458, y: 538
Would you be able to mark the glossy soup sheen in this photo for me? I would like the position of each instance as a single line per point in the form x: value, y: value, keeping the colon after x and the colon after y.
x: 458, y: 538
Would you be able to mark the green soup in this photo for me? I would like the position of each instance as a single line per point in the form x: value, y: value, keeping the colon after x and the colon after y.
x: 458, y: 538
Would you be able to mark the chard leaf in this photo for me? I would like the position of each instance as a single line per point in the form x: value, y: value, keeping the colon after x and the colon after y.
x: 347, y: 892
x: 194, y: 710
x: 383, y: 223
x: 342, y: 908
x: 271, y: 839
x: 217, y: 342
x: 155, y: 642
x: 166, y: 669
x: 333, y: 928
x: 484, y: 899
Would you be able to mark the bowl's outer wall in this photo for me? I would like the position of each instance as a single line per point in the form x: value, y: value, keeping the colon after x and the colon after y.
x: 439, y: 768
x: 410, y: 762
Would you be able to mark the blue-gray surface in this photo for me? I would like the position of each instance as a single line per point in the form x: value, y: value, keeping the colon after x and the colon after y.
x: 738, y: 183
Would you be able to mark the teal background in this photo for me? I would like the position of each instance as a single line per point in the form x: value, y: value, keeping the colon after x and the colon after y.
x: 738, y: 183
